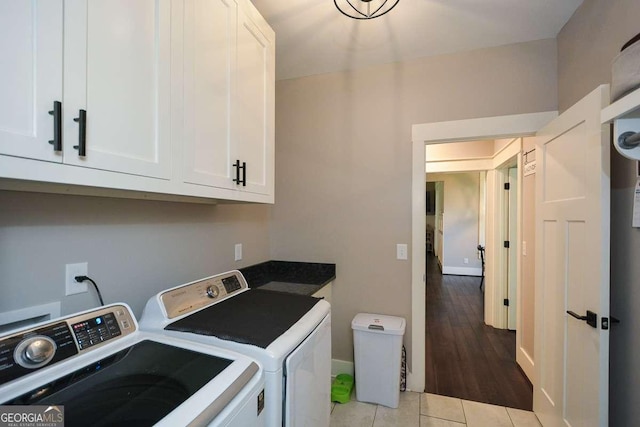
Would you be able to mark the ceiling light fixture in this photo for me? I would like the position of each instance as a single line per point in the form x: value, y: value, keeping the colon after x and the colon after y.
x: 365, y: 9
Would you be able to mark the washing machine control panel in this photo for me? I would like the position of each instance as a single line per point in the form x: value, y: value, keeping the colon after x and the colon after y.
x: 202, y: 293
x: 96, y: 330
x: 30, y: 349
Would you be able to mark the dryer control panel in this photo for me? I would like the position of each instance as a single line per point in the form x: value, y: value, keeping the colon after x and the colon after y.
x: 30, y: 349
x: 201, y: 293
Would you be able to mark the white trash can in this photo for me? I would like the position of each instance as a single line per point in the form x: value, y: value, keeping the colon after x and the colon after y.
x: 377, y: 342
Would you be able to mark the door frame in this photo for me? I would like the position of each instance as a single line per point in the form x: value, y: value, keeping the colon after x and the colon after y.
x: 438, y: 240
x: 495, y: 312
x: 514, y: 233
x: 435, y: 133
x: 502, y: 265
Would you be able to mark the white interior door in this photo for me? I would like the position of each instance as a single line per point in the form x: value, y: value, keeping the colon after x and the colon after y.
x: 572, y: 266
x: 512, y: 274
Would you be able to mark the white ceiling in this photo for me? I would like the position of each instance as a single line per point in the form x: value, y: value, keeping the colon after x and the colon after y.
x: 313, y: 37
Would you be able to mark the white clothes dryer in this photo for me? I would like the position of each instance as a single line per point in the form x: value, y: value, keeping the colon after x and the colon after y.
x: 290, y: 335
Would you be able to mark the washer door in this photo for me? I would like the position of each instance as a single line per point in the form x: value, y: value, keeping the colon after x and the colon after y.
x: 308, y: 380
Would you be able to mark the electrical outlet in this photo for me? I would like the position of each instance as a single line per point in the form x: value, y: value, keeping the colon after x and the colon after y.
x: 238, y: 251
x: 401, y: 251
x: 466, y: 260
x: 71, y: 271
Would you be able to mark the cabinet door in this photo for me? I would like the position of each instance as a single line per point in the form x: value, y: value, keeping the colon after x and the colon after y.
x: 30, y: 76
x: 209, y: 66
x: 117, y: 68
x: 254, y: 105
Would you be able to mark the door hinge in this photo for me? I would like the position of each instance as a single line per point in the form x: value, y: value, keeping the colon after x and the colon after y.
x: 507, y: 186
x: 506, y: 243
x: 506, y: 302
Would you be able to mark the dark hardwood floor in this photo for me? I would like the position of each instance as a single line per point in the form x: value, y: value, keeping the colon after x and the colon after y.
x: 464, y: 357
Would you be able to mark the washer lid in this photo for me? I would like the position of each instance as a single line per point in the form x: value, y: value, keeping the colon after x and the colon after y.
x: 379, y: 324
x: 139, y: 386
x: 253, y: 317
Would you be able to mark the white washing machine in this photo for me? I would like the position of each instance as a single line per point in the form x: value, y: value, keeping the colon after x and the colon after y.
x: 96, y: 368
x: 290, y: 335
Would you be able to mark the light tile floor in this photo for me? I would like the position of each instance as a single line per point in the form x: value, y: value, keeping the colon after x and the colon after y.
x: 429, y: 410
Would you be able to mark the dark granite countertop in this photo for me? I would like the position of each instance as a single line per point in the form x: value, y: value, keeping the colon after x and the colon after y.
x: 305, y: 278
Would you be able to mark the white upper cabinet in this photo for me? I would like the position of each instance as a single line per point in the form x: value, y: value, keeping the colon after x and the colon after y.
x: 147, y: 97
x: 209, y: 66
x: 229, y: 56
x: 30, y: 77
x: 254, y: 104
x: 117, y: 69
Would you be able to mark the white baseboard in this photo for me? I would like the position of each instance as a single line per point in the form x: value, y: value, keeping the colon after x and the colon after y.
x: 526, y: 363
x: 462, y: 271
x: 341, y: 367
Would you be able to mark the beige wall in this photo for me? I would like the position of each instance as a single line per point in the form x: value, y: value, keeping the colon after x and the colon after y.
x: 134, y: 248
x: 343, y: 162
x: 586, y: 47
x: 459, y: 150
x: 461, y: 221
x: 499, y: 144
x: 588, y: 43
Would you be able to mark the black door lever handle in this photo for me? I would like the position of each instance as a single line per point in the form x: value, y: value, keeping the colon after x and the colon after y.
x: 576, y: 315
x: 591, y: 318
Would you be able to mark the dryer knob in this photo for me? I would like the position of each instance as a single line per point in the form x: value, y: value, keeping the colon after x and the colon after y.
x: 35, y: 352
x: 212, y: 291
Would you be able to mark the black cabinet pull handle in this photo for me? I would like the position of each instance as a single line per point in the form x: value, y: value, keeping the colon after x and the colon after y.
x: 237, y: 179
x: 237, y: 166
x: 82, y: 133
x: 57, y: 126
x: 591, y: 318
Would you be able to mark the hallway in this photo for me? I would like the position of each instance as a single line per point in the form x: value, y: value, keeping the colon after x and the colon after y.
x: 464, y: 357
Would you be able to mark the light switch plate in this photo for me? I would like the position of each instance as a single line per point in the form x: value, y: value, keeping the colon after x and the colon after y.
x: 238, y: 251
x: 71, y: 271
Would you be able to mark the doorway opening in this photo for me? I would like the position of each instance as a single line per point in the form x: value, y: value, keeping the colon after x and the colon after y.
x: 434, y: 133
x: 466, y: 356
x: 435, y: 219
